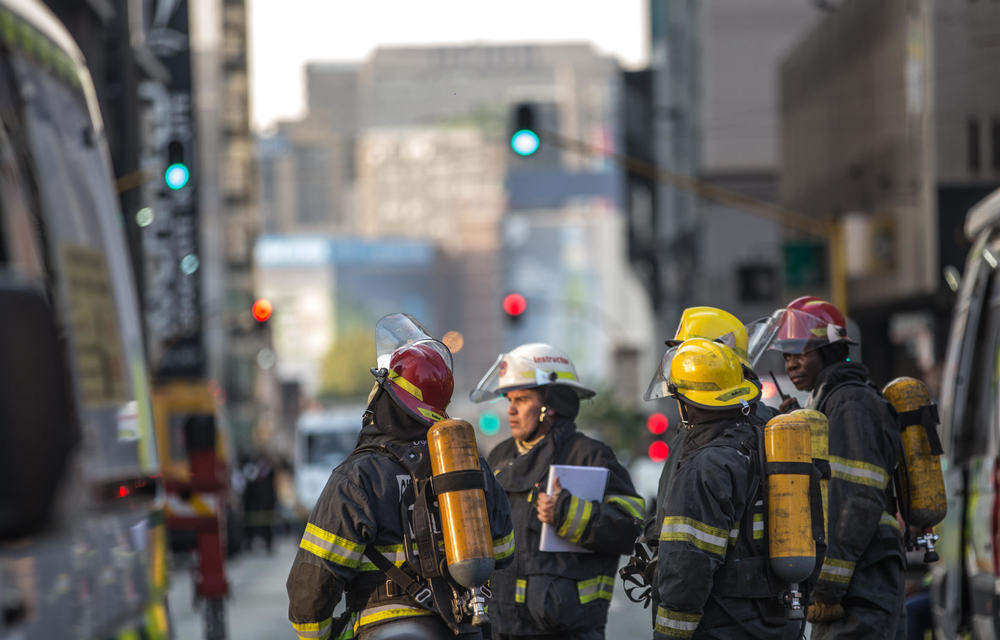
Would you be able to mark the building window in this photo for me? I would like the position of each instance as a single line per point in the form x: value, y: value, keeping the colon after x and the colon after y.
x: 995, y: 140
x: 973, y: 144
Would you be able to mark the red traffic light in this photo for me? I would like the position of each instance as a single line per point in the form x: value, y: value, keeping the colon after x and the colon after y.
x: 657, y: 423
x: 262, y: 309
x: 514, y: 304
x: 658, y: 451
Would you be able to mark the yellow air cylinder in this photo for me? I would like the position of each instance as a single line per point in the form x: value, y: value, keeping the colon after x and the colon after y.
x: 788, y: 452
x: 819, y: 431
x: 464, y: 520
x: 923, y: 482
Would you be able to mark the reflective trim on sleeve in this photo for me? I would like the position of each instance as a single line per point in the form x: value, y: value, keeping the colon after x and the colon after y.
x: 734, y: 535
x: 758, y: 526
x: 599, y: 587
x: 889, y: 520
x: 701, y: 535
x: 675, y: 624
x: 632, y: 505
x: 390, y: 611
x: 394, y: 553
x: 313, y: 630
x: 519, y: 588
x: 576, y: 520
x: 331, y: 547
x: 503, y: 547
x: 864, y: 473
x: 839, y: 571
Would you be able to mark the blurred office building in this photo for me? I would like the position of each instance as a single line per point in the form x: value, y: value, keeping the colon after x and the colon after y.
x: 890, y: 125
x: 713, y: 111
x: 432, y: 161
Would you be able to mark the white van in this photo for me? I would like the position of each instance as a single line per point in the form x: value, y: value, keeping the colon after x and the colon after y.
x: 966, y: 581
x: 323, y: 439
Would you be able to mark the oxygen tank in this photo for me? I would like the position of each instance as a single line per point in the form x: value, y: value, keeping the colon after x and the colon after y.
x: 923, y: 483
x: 788, y: 452
x: 458, y: 482
x: 819, y: 430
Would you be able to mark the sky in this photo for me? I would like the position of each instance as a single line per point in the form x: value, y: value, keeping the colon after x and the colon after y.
x: 286, y: 34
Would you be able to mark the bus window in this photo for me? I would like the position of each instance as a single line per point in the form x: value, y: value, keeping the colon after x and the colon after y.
x: 329, y: 449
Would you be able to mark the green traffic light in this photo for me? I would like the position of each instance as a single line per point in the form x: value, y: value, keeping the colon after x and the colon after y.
x: 524, y: 142
x: 177, y: 176
x: 489, y: 423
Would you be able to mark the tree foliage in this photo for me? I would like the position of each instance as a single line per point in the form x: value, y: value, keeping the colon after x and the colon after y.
x: 345, y: 367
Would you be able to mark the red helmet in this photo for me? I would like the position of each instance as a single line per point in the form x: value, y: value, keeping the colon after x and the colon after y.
x: 808, y: 323
x: 420, y: 380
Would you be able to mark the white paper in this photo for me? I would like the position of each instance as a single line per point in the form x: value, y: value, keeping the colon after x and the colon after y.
x: 586, y: 483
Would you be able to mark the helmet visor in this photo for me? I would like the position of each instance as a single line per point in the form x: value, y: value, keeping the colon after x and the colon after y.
x: 661, y: 378
x: 398, y: 329
x: 511, y: 372
x: 792, y: 331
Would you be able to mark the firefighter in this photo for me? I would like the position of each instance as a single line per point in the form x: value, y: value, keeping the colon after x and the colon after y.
x: 545, y: 594
x: 860, y: 590
x: 376, y: 515
x: 710, y: 323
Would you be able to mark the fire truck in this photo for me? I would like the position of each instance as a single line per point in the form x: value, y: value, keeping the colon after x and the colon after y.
x: 82, y: 522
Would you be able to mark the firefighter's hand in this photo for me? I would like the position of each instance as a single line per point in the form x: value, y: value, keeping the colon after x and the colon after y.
x: 789, y: 404
x: 823, y: 612
x: 546, y: 504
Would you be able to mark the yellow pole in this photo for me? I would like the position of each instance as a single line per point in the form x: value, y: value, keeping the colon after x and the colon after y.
x: 838, y: 265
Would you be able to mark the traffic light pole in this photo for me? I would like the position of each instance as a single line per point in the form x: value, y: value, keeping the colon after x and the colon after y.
x: 829, y: 230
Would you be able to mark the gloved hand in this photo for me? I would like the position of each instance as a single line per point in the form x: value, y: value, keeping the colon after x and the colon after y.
x: 824, y: 612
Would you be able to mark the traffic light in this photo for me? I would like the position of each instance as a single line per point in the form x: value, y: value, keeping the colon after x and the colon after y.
x: 525, y: 140
x: 262, y: 310
x: 659, y: 451
x: 657, y: 423
x: 177, y: 174
x: 514, y: 306
x: 489, y: 423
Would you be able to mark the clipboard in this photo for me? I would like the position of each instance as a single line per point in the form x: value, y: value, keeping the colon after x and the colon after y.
x: 586, y: 483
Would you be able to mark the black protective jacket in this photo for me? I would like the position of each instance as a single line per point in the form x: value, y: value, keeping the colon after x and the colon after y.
x: 712, y: 577
x: 559, y: 593
x: 362, y: 506
x: 864, y: 450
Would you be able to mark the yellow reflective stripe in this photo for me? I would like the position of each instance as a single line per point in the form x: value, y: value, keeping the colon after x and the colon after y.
x: 407, y: 385
x: 632, y: 505
x: 675, y: 624
x: 733, y: 536
x: 394, y: 553
x: 331, y: 547
x: 864, y: 473
x: 600, y: 587
x: 387, y: 612
x: 839, y: 571
x: 571, y: 517
x: 519, y: 588
x: 350, y: 630
x: 576, y: 520
x: 503, y: 547
x: 560, y: 375
x: 889, y: 520
x: 313, y: 630
x: 758, y: 526
x: 701, y: 535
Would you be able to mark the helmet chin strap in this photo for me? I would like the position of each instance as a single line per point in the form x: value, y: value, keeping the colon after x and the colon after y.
x: 685, y: 421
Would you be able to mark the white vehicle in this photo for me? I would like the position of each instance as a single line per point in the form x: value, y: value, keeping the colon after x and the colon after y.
x: 323, y: 439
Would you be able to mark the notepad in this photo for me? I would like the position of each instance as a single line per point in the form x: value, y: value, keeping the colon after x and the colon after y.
x: 586, y: 483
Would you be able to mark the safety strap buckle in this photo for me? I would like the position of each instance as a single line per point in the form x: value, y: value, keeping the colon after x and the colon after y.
x: 422, y: 595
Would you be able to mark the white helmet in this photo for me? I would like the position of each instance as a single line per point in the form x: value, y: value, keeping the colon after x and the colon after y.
x: 527, y: 367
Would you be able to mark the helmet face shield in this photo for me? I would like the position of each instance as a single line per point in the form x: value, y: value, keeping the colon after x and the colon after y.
x: 658, y: 386
x: 398, y: 329
x: 793, y: 331
x: 527, y: 367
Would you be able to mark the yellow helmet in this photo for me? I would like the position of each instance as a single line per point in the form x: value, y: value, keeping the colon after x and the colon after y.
x: 709, y: 375
x: 713, y: 324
